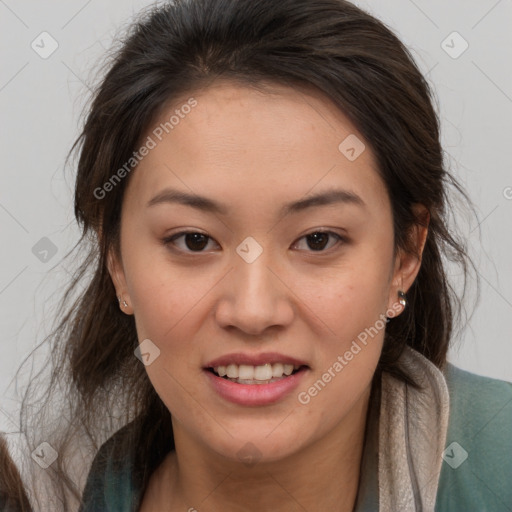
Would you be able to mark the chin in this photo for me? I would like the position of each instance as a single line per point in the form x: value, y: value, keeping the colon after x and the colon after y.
x: 252, y: 446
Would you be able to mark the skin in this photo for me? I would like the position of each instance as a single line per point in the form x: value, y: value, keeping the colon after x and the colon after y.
x: 254, y: 151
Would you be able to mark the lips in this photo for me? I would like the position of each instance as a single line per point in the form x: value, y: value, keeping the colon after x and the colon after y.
x: 259, y: 388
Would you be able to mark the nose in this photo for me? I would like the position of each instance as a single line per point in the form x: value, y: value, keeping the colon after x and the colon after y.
x: 254, y: 298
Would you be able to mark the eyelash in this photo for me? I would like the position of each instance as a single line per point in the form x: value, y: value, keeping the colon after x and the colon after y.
x: 171, y: 239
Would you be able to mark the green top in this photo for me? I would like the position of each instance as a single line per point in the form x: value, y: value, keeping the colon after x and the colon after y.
x: 481, y: 425
x: 476, y: 473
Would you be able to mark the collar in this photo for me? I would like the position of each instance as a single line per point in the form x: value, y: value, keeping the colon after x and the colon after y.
x: 412, y: 433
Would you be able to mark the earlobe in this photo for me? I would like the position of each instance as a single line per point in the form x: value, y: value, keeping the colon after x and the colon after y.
x: 122, y: 302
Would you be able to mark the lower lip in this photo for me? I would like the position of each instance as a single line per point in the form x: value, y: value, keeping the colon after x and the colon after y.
x: 255, y: 394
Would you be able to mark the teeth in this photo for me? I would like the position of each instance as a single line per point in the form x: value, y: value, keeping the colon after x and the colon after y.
x: 264, y: 372
x: 232, y: 371
x: 277, y: 370
x: 245, y: 372
x: 288, y: 369
x: 248, y: 372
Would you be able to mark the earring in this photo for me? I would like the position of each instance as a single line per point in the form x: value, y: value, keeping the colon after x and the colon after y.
x: 402, y: 299
x: 125, y: 304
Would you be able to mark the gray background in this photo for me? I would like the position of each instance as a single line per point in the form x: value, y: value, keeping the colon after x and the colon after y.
x: 41, y: 101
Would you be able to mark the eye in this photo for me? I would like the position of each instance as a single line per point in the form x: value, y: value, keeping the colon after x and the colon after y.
x: 318, y: 240
x: 195, y: 241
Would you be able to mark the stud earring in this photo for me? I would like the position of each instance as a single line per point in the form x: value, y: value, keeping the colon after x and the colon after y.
x: 402, y: 299
x: 125, y: 304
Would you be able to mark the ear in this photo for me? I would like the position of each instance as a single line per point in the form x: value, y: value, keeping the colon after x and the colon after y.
x: 116, y: 271
x: 408, y: 260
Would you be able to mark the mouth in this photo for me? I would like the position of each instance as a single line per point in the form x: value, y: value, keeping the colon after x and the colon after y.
x: 255, y: 379
x: 257, y: 375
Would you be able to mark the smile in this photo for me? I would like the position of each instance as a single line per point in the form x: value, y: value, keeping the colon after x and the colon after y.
x: 249, y: 374
x: 254, y: 379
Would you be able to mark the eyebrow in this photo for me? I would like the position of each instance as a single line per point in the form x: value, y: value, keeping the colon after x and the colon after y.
x: 206, y: 204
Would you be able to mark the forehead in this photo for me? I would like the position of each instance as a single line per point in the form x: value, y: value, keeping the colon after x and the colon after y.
x: 273, y: 145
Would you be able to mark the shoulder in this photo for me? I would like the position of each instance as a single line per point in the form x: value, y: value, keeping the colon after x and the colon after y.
x: 109, y: 485
x: 477, y: 462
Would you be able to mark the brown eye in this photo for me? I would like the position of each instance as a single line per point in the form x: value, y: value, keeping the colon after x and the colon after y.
x: 318, y: 240
x: 194, y: 241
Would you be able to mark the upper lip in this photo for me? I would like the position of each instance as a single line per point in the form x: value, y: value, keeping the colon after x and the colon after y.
x: 239, y: 358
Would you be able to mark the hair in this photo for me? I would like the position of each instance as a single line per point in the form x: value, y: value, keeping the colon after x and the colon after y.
x: 171, y: 51
x: 12, y: 492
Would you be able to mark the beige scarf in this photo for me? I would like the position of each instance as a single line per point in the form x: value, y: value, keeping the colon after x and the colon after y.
x: 412, y: 436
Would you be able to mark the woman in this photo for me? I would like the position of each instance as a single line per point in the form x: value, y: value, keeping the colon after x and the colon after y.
x: 268, y: 314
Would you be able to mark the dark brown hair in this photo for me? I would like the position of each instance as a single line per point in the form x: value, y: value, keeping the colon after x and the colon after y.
x: 12, y: 493
x: 170, y: 52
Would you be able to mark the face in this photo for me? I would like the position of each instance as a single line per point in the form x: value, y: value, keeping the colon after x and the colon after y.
x: 285, y: 260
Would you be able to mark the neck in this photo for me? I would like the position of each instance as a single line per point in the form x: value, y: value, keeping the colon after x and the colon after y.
x: 322, y: 476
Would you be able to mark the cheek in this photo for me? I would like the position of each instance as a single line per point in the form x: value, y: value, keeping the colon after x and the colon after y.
x: 348, y: 349
x: 349, y: 299
x: 161, y: 293
x: 169, y: 311
x: 350, y: 306
x: 165, y: 301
